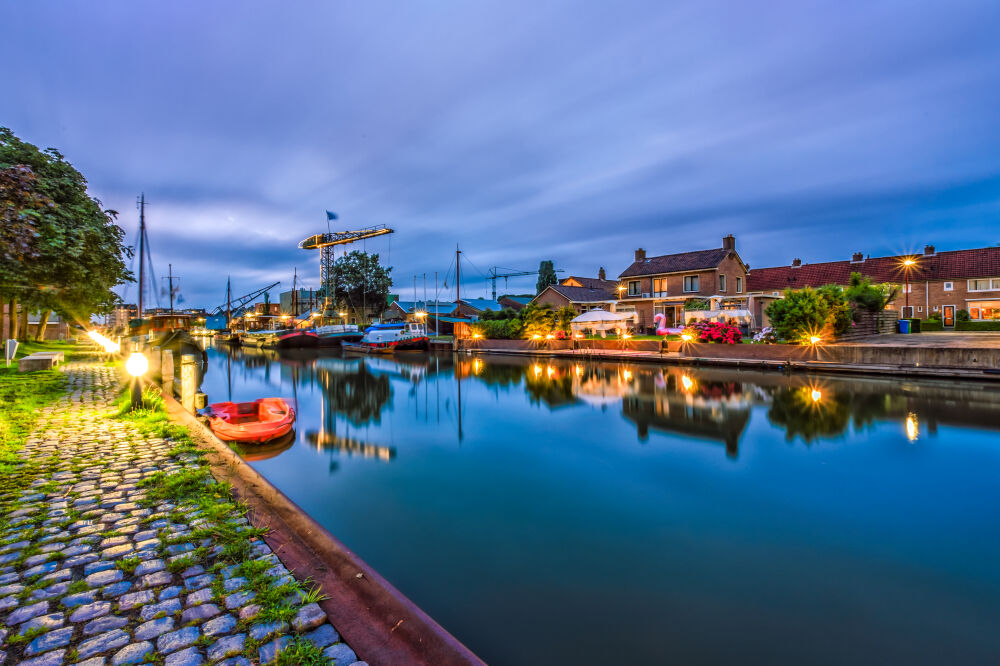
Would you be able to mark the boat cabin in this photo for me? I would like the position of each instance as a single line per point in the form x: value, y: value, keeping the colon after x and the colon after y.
x: 160, y: 323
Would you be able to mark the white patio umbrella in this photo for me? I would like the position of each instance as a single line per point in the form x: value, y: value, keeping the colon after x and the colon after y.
x: 601, y: 321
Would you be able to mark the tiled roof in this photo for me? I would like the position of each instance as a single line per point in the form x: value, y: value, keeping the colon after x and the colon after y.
x: 482, y: 304
x: 591, y: 283
x: 953, y: 265
x: 698, y: 260
x: 523, y: 300
x: 582, y: 294
x: 409, y: 306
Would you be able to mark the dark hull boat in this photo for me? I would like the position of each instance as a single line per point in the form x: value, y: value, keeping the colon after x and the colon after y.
x: 230, y: 338
x: 297, y: 339
x: 337, y: 335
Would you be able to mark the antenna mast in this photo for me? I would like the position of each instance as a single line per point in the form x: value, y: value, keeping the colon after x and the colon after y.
x: 142, y: 246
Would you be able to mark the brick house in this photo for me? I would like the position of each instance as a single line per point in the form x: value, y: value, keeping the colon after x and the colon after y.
x: 940, y: 282
x: 581, y: 299
x: 665, y: 283
x: 600, y: 282
x: 515, y: 303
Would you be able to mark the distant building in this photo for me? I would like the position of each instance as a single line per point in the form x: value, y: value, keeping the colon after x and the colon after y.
x: 475, y: 307
x: 600, y: 282
x: 302, y: 299
x: 121, y: 316
x: 940, y: 282
x: 272, y: 309
x: 515, y: 303
x: 581, y: 299
x: 407, y: 310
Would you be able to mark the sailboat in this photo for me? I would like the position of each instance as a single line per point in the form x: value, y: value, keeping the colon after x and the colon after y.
x: 228, y: 336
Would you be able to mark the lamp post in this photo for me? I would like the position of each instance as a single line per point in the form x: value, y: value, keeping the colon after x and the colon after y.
x: 136, y: 365
x: 907, y: 265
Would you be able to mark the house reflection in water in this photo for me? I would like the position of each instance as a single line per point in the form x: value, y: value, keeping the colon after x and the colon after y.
x: 675, y: 401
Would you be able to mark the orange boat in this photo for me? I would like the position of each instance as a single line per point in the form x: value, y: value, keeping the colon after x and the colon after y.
x: 257, y: 421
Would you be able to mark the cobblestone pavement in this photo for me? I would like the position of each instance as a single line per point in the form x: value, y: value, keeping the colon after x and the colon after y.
x: 93, y: 571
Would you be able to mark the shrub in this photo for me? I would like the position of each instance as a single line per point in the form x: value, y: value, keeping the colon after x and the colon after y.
x: 934, y: 316
x: 963, y: 315
x: 766, y: 335
x: 809, y: 311
x: 696, y: 304
x: 713, y: 331
x: 537, y: 320
x: 977, y: 325
x: 498, y: 329
x: 867, y: 296
x: 932, y: 325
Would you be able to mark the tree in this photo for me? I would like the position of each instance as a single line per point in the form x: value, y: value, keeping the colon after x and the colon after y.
x: 76, y: 255
x: 867, y: 296
x: 805, y: 312
x: 546, y: 276
x: 360, y: 282
x: 537, y: 320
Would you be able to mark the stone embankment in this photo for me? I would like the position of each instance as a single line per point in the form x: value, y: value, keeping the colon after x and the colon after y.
x: 110, y: 553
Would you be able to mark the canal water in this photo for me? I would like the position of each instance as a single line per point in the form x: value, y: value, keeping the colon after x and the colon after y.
x: 550, y: 512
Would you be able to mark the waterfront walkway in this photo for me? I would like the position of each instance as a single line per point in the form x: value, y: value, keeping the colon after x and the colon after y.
x: 105, y: 558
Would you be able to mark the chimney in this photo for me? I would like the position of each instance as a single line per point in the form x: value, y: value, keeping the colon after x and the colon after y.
x: 729, y: 243
x: 601, y: 274
x: 928, y: 250
x: 857, y: 257
x: 796, y: 262
x: 640, y: 255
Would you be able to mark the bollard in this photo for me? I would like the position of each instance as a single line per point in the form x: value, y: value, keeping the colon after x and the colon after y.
x: 189, y: 380
x: 154, y: 363
x: 167, y: 370
x: 200, y: 400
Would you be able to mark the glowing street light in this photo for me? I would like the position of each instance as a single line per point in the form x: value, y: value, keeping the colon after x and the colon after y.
x: 815, y: 339
x: 687, y: 383
x: 816, y: 395
x: 136, y: 365
x: 908, y: 263
x: 912, y: 427
x: 686, y: 337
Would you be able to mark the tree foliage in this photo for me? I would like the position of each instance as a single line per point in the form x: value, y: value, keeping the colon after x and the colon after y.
x: 807, y: 311
x: 864, y: 295
x: 546, y: 276
x: 61, y: 249
x: 361, y: 282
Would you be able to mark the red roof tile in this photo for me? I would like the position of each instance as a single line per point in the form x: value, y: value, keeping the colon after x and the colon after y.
x: 954, y: 265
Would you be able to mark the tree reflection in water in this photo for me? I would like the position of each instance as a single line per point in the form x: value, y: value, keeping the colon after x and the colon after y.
x: 360, y: 395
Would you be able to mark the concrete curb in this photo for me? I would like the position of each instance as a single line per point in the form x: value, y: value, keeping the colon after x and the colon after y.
x: 375, y: 619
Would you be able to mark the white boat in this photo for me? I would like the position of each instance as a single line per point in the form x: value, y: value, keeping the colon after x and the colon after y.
x: 389, y: 338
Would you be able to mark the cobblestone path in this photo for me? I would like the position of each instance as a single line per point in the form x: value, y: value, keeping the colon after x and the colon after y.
x: 97, y: 567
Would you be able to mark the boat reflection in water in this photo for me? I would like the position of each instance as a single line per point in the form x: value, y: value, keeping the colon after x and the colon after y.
x: 267, y: 450
x: 561, y: 500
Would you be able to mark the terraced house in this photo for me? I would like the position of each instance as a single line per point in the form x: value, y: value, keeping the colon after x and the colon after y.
x: 666, y: 283
x: 941, y: 283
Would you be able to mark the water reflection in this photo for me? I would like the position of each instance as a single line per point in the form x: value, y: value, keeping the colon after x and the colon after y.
x: 702, y: 403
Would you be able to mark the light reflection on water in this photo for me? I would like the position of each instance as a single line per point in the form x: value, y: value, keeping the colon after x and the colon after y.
x: 549, y: 511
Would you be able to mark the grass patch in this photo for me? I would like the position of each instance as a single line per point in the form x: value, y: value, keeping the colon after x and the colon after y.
x: 128, y: 564
x: 26, y: 637
x: 78, y: 586
x: 301, y: 652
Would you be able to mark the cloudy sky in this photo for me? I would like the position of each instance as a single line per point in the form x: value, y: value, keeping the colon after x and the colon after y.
x: 572, y: 131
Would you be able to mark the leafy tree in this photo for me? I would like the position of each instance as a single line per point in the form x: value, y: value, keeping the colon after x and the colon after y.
x: 963, y: 315
x: 506, y: 313
x: 562, y: 318
x: 546, y: 276
x: 808, y: 311
x: 62, y: 250
x: 537, y: 320
x: 867, y: 296
x: 697, y: 304
x: 361, y: 282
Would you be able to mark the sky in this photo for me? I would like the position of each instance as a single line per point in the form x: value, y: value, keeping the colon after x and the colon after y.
x: 519, y: 131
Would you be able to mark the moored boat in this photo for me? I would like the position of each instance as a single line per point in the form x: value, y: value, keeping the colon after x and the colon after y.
x: 296, y: 339
x: 389, y: 338
x: 231, y: 338
x: 265, y: 339
x: 337, y: 334
x: 258, y: 421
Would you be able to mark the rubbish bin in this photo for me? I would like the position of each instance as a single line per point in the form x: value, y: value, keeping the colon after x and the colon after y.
x: 904, y: 325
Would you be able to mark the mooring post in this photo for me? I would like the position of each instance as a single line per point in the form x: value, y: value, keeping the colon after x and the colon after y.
x: 189, y: 381
x: 154, y: 363
x: 167, y: 371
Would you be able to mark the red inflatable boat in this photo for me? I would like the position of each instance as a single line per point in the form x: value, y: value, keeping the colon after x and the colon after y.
x: 257, y: 421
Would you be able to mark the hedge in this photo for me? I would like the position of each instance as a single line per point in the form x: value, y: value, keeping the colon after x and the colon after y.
x: 932, y: 325
x: 977, y: 325
x: 914, y: 324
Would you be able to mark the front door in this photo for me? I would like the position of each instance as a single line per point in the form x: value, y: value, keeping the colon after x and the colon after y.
x: 948, y: 315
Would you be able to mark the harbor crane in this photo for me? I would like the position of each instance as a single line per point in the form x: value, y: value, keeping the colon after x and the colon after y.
x: 238, y: 305
x: 494, y: 274
x: 326, y: 243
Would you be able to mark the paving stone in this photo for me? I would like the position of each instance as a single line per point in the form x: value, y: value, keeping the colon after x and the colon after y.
x: 133, y: 599
x: 8, y: 602
x: 96, y: 567
x: 26, y: 613
x: 46, y: 622
x: 341, y: 654
x: 176, y: 640
x: 170, y: 606
x: 250, y: 612
x: 269, y: 651
x: 54, y: 658
x: 196, y: 570
x: 153, y: 628
x: 102, y: 643
x: 220, y: 625
x: 171, y: 592
x: 150, y: 566
x: 10, y: 589
x: 202, y: 612
x: 51, y: 591
x: 90, y: 611
x: 199, y: 597
x: 103, y: 578
x: 132, y: 654
x: 116, y: 589
x: 103, y: 624
x: 238, y: 600
x: 235, y: 661
x: 226, y: 647
x: 198, y: 582
x: 74, y: 600
x: 325, y: 635
x: 93, y: 661
x: 189, y: 657
x: 157, y: 579
x: 45, y: 568
x: 54, y: 639
x: 309, y: 617
x: 264, y: 630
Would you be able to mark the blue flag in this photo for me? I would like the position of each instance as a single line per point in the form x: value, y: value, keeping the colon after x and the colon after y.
x: 331, y: 216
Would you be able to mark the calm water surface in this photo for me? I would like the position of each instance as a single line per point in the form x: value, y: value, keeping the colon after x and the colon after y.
x: 550, y: 512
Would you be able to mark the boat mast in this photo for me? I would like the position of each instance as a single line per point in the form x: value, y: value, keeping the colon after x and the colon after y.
x: 295, y: 287
x: 458, y: 281
x: 142, y: 246
x: 229, y: 303
x: 170, y: 285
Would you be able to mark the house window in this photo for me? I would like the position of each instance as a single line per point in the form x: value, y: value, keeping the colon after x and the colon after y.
x: 659, y: 286
x: 739, y: 285
x: 722, y: 283
x: 633, y: 287
x: 920, y: 308
x: 906, y: 312
x: 983, y: 285
x: 690, y: 283
x: 948, y: 286
x: 906, y: 288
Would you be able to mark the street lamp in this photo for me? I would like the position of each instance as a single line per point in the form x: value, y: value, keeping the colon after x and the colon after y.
x: 908, y: 263
x: 136, y: 365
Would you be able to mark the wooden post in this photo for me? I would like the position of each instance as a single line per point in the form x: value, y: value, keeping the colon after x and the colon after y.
x: 167, y: 371
x: 155, y: 363
x: 189, y: 381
